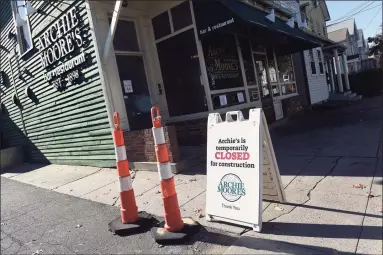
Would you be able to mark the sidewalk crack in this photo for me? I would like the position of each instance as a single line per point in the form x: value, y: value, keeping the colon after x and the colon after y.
x: 78, y: 179
x: 298, y: 174
x: 308, y: 193
x: 365, y: 209
x: 193, y: 198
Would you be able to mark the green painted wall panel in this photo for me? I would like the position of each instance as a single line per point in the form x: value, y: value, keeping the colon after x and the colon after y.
x: 69, y: 127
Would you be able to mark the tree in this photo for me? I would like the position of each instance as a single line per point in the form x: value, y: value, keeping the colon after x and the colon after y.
x: 376, y: 49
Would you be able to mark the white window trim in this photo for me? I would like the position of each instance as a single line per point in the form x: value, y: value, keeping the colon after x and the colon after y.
x: 220, y: 91
x: 242, y: 66
x: 315, y: 64
x: 200, y: 115
x: 321, y: 57
x: 281, y: 97
x: 14, y: 9
x: 203, y: 78
x: 140, y: 53
x: 255, y: 73
x: 172, y: 33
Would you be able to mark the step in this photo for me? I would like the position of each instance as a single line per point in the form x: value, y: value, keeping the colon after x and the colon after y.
x: 353, y: 95
x: 357, y: 98
x: 340, y: 97
x: 347, y: 93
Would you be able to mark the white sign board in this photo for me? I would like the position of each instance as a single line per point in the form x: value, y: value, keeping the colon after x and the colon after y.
x: 236, y: 150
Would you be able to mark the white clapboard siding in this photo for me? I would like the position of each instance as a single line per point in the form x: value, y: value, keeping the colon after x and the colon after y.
x: 317, y: 83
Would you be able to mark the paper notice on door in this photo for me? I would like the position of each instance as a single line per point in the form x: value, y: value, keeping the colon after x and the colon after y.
x: 240, y: 97
x: 223, y: 100
x: 128, y: 87
x: 260, y: 65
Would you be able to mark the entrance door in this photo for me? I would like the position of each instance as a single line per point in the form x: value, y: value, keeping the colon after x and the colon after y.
x: 181, y: 74
x: 132, y: 74
x: 261, y: 68
x: 135, y: 89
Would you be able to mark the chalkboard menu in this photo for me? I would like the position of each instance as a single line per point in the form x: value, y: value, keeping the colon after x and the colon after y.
x: 222, y: 63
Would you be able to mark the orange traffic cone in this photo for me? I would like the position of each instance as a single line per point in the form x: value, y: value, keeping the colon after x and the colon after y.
x: 174, y: 228
x: 129, y: 221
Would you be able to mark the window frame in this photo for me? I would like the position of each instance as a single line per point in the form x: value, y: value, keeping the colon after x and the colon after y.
x: 320, y: 61
x: 15, y: 10
x: 205, y: 82
x: 312, y: 61
x: 139, y: 53
x: 280, y: 83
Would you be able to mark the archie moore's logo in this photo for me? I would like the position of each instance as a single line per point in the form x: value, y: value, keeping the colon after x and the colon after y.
x: 231, y: 187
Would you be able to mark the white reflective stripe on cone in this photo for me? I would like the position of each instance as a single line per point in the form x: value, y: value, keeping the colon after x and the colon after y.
x: 121, y: 153
x: 165, y: 171
x: 158, y: 134
x: 125, y: 183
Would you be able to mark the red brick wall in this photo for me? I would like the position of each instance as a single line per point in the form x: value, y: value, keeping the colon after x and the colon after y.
x: 292, y: 105
x: 140, y: 145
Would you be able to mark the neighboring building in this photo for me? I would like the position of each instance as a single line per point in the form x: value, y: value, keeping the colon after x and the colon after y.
x: 353, y: 31
x: 316, y: 15
x: 179, y: 55
x: 356, y: 46
x: 341, y: 36
x: 362, y: 46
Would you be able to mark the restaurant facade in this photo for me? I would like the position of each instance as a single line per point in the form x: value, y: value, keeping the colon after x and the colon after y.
x: 60, y: 87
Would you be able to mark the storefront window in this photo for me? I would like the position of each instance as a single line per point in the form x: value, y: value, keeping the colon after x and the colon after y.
x: 260, y: 67
x: 285, y: 69
x: 181, y: 74
x: 161, y: 25
x: 254, y: 94
x: 181, y: 16
x: 125, y: 38
x: 272, y: 67
x: 273, y: 73
x: 288, y: 88
x: 256, y: 47
x: 222, y: 63
x: 228, y: 99
x: 247, y: 61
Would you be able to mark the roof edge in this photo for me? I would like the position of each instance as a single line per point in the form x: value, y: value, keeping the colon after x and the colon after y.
x: 326, y: 12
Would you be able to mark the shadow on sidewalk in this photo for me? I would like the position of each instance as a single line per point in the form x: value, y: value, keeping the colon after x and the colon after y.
x: 265, y: 246
x: 21, y: 169
x: 327, y: 209
x: 368, y: 110
x: 322, y: 230
x: 238, y: 243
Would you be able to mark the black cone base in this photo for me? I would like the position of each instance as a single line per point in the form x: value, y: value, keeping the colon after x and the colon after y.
x: 144, y: 223
x: 161, y: 236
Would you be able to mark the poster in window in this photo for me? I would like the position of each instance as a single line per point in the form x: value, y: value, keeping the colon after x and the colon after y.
x: 223, y: 100
x: 241, y: 99
x: 222, y: 62
x: 128, y: 87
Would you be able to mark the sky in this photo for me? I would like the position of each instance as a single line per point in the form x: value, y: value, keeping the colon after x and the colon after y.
x: 368, y: 20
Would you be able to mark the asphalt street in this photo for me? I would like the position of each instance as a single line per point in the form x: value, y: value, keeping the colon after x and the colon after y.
x: 39, y: 221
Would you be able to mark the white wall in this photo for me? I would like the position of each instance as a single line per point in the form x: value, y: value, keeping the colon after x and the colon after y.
x: 317, y: 83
